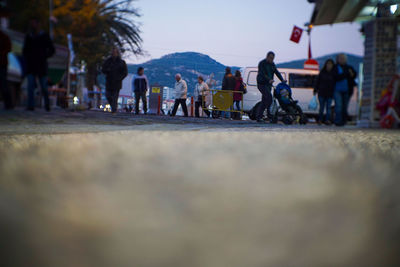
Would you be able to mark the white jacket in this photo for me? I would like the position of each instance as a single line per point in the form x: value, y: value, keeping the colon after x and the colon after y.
x: 181, y: 89
x: 202, y: 89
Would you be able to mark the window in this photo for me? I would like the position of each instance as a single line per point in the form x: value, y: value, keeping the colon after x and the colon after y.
x: 252, y: 79
x: 302, y: 80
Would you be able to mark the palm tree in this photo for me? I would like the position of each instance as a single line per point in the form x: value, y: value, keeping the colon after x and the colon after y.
x: 121, y: 28
x: 96, y: 27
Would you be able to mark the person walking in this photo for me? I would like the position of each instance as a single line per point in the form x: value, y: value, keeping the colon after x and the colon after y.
x: 324, y: 87
x: 140, y: 86
x: 344, y: 87
x: 180, y: 95
x: 201, y: 95
x: 115, y: 70
x: 37, y: 48
x: 228, y: 84
x: 265, y: 79
x: 239, y: 87
x: 5, y: 48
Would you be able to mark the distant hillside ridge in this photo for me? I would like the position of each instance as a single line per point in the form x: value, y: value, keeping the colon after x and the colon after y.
x: 189, y: 64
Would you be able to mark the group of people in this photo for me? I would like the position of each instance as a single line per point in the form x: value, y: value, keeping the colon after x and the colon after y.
x: 140, y: 86
x: 335, y: 82
x: 202, y: 93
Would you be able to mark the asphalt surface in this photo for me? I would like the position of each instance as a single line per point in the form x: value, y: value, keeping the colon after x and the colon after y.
x: 93, y: 189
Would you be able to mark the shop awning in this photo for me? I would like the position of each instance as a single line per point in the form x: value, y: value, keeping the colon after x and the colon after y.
x: 338, y: 11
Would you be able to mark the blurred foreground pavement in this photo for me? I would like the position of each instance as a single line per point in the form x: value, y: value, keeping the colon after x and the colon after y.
x: 91, y: 189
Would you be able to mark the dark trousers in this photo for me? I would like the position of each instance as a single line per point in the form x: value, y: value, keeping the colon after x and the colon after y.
x: 266, y: 100
x: 237, y: 103
x: 341, y: 102
x: 112, y: 98
x: 181, y: 102
x: 325, y: 103
x: 138, y: 96
x: 200, y: 103
x: 4, y: 90
x: 31, y: 90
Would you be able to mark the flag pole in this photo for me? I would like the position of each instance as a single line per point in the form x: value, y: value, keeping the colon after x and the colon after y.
x: 309, y: 27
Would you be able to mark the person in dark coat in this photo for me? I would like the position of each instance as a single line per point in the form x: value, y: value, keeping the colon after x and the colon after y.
x: 229, y: 81
x: 5, y: 48
x: 324, y: 87
x: 239, y: 87
x: 344, y: 87
x: 265, y: 79
x: 228, y: 84
x: 115, y: 70
x: 38, y: 47
x: 140, y: 86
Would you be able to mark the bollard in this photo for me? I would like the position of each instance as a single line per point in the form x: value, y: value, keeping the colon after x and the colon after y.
x: 159, y: 105
x: 191, y: 107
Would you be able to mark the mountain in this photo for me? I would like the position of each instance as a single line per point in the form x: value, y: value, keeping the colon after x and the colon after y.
x: 353, y: 60
x: 189, y: 64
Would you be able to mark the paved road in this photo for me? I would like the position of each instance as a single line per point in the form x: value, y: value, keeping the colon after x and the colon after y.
x: 91, y: 189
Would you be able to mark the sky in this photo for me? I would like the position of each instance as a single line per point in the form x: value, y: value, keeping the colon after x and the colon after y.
x: 238, y: 32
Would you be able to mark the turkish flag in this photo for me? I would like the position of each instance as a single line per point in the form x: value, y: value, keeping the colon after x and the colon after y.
x: 296, y: 34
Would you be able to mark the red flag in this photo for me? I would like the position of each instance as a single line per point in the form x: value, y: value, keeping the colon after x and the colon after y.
x: 296, y: 34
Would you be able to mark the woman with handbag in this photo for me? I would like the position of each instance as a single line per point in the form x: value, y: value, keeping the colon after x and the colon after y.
x: 201, y: 96
x: 240, y: 88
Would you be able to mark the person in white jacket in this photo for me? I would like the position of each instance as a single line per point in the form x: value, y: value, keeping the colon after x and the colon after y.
x: 180, y: 95
x: 201, y: 96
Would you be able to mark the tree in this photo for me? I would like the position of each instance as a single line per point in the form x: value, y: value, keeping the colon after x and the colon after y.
x: 20, y: 17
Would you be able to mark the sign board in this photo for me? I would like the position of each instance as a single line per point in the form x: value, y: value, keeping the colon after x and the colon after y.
x: 311, y: 64
x: 155, y: 90
x: 155, y: 98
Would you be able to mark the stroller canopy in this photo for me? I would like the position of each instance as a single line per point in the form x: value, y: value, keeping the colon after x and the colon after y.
x: 283, y: 93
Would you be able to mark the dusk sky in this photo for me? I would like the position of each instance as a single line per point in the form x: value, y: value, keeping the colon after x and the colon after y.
x: 237, y: 32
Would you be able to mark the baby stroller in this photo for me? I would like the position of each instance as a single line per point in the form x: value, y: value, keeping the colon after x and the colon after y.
x: 289, y: 110
x: 283, y: 107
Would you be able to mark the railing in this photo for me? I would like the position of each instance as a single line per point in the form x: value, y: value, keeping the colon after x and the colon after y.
x: 222, y: 100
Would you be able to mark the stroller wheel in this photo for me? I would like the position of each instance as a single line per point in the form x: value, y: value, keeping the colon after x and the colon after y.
x: 215, y: 114
x: 287, y: 120
x: 274, y: 119
x: 303, y: 119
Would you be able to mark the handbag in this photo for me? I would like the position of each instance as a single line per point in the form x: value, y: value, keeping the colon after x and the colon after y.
x: 243, y: 88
